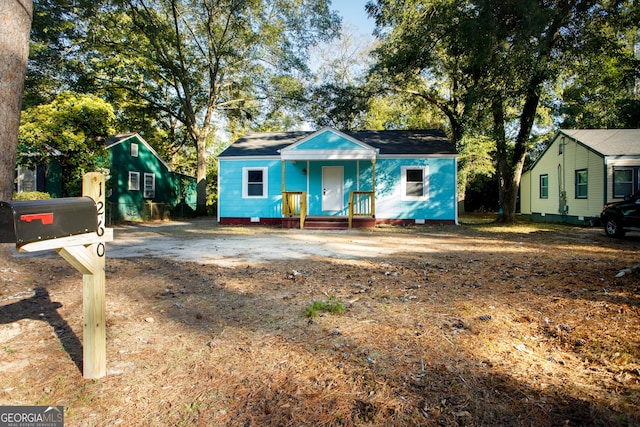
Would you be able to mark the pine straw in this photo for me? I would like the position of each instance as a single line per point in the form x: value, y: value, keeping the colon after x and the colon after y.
x: 486, y: 328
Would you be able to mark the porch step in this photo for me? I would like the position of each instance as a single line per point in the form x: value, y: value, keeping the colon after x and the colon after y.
x: 326, y: 223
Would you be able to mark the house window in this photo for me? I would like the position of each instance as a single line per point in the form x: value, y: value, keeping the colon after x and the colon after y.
x: 544, y: 186
x: 149, y: 185
x: 26, y: 179
x: 134, y: 181
x: 415, y: 183
x: 581, y: 184
x: 254, y: 182
x: 134, y: 149
x: 622, y: 183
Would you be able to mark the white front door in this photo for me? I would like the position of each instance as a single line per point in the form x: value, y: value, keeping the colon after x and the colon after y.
x: 332, y: 188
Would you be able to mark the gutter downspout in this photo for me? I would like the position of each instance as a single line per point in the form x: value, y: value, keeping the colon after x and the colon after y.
x: 606, y: 176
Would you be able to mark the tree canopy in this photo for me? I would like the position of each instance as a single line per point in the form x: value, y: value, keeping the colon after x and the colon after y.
x: 71, y: 129
x: 489, y: 65
x: 202, y: 64
x: 498, y: 75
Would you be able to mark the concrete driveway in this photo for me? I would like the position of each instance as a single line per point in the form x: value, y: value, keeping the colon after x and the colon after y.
x: 203, y: 241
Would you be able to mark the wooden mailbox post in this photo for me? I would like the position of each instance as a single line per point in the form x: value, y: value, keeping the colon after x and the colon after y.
x: 86, y: 253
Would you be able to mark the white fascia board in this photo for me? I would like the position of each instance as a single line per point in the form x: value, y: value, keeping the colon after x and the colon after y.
x: 243, y: 158
x: 622, y: 157
x: 418, y: 156
x: 329, y: 155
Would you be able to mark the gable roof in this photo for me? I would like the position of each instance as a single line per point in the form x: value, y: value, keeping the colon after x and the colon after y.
x: 387, y: 142
x: 604, y: 142
x: 119, y: 139
x: 328, y: 143
x: 608, y: 142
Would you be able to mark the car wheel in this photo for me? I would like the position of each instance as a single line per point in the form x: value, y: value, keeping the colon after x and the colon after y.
x: 613, y: 227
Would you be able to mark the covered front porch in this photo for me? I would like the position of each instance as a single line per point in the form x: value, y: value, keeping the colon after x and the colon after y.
x: 360, y: 212
x: 328, y: 189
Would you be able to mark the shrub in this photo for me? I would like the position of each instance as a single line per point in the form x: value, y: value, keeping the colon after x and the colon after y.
x: 31, y: 195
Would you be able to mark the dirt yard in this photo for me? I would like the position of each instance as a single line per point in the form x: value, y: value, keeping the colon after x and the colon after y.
x: 471, y: 325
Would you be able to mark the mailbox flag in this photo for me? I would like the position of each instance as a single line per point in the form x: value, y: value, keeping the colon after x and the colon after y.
x: 46, y: 218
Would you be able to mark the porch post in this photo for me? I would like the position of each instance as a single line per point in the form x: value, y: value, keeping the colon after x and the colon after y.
x: 285, y: 208
x: 373, y: 187
x: 283, y: 177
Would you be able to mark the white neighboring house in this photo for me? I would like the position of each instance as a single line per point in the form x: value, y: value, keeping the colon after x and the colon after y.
x: 581, y: 171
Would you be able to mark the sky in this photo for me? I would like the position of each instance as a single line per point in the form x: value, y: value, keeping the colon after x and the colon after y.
x: 353, y: 14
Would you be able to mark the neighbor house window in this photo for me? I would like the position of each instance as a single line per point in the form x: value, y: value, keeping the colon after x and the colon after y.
x: 149, y: 185
x: 544, y: 186
x: 622, y: 183
x: 134, y: 149
x: 26, y: 179
x: 134, y: 181
x: 415, y: 183
x: 581, y: 184
x: 254, y: 182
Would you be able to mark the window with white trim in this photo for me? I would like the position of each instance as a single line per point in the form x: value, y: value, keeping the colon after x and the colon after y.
x: 134, y: 181
x: 623, y: 182
x: 415, y: 183
x: 544, y: 186
x: 582, y: 181
x: 149, y: 185
x: 254, y: 182
x: 134, y: 149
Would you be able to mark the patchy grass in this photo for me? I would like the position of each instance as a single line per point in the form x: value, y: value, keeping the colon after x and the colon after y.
x: 329, y: 306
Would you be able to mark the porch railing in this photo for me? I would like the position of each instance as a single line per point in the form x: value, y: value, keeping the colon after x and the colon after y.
x: 361, y: 204
x: 294, y: 204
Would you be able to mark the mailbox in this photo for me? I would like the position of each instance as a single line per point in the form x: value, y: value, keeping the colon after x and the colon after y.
x: 30, y: 221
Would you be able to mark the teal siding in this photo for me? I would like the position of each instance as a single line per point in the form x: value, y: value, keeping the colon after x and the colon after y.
x: 328, y: 139
x: 441, y: 200
x: 53, y: 179
x: 315, y: 186
x: 295, y: 175
x: 230, y: 198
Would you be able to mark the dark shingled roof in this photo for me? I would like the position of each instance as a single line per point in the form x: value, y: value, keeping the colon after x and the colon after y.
x: 389, y: 142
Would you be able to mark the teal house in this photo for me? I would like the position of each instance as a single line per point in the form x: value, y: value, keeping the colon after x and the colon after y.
x: 333, y: 179
x: 142, y: 185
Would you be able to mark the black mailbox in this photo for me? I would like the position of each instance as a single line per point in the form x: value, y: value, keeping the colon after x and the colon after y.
x: 30, y: 221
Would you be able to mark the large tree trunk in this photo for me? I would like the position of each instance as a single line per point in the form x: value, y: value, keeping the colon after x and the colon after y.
x: 15, y: 16
x: 201, y: 174
x: 510, y: 183
x: 515, y: 163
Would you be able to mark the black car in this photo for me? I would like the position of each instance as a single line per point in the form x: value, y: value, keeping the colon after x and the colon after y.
x: 620, y: 217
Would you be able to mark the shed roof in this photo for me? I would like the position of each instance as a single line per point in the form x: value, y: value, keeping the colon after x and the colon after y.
x: 389, y: 142
x: 608, y: 142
